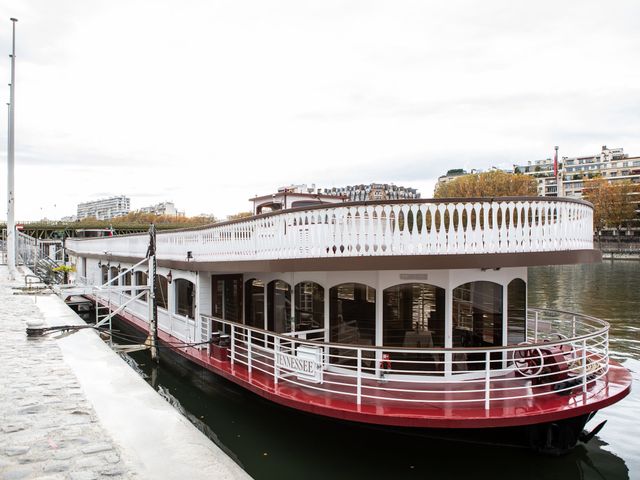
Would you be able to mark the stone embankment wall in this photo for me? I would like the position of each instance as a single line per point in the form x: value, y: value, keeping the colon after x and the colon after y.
x: 623, y: 247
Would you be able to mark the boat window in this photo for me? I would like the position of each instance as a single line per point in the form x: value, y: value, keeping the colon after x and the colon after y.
x: 226, y: 292
x: 413, y: 317
x: 105, y: 274
x: 162, y: 292
x: 352, y: 316
x: 254, y: 308
x: 185, y: 298
x: 477, y: 315
x: 126, y: 280
x: 517, y: 311
x: 114, y: 273
x: 305, y: 203
x: 309, y: 306
x: 141, y: 279
x: 477, y: 321
x: 278, y: 306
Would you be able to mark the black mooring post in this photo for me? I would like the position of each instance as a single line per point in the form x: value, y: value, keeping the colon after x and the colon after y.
x: 153, y: 286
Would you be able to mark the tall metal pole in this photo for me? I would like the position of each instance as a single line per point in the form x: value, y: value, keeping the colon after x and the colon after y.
x: 559, y: 182
x: 153, y: 303
x: 11, y: 221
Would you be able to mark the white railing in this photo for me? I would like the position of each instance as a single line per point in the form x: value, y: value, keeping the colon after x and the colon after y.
x: 30, y: 249
x: 560, y: 361
x: 425, y: 227
x: 181, y: 327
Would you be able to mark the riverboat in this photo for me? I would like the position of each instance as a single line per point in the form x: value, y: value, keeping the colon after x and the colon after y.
x: 407, y: 314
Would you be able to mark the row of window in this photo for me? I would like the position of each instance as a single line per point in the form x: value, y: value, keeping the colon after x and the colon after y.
x: 413, y: 313
x: 183, y: 288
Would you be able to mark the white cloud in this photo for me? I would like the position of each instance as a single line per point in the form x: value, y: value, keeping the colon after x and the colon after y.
x: 208, y: 103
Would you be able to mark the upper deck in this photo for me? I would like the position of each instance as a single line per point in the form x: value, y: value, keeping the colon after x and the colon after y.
x: 407, y: 234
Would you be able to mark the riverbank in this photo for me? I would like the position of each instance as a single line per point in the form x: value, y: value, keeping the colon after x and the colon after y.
x: 621, y: 255
x: 71, y: 408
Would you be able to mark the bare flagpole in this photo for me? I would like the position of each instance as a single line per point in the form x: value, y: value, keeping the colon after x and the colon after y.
x: 11, y: 221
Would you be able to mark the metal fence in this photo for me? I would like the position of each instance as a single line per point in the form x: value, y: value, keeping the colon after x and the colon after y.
x: 567, y: 351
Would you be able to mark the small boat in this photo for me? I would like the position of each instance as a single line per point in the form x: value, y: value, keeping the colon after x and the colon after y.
x: 408, y: 314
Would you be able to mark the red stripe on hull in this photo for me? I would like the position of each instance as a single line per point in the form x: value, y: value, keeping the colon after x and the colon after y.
x: 502, y: 413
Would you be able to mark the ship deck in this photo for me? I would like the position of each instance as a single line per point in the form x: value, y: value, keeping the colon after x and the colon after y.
x: 446, y: 405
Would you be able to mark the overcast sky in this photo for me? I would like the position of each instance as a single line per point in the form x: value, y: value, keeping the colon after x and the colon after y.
x: 207, y: 103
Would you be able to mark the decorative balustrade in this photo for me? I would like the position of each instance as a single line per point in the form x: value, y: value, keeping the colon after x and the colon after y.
x: 424, y: 227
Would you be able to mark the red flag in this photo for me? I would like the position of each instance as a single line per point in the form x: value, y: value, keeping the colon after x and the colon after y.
x: 555, y: 165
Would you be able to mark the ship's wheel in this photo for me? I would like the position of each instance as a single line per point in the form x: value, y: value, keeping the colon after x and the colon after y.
x: 571, y: 360
x: 528, y: 361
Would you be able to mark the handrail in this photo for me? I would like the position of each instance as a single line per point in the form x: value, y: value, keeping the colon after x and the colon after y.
x: 499, y: 373
x: 454, y: 376
x: 426, y: 227
x: 603, y: 328
x: 363, y: 204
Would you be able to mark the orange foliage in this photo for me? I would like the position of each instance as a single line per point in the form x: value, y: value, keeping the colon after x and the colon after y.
x: 495, y: 183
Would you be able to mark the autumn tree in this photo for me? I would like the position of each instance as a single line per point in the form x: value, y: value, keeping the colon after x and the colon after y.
x: 494, y: 183
x: 239, y: 215
x: 612, y: 205
x: 144, y: 218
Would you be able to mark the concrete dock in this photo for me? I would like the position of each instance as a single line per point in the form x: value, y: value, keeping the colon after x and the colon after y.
x: 71, y: 408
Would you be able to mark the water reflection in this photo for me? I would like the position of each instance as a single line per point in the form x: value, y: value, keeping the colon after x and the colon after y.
x: 608, y: 290
x: 272, y: 442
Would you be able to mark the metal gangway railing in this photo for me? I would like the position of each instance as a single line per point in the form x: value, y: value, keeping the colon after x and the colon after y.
x: 43, y: 257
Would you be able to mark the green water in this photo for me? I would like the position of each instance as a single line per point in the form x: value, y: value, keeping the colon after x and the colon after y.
x: 272, y: 442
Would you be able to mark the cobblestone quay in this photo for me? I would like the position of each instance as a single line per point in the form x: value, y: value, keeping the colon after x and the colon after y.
x: 49, y: 428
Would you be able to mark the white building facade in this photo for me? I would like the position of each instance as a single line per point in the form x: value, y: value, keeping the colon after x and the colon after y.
x: 106, y: 208
x: 611, y: 163
x: 163, y: 208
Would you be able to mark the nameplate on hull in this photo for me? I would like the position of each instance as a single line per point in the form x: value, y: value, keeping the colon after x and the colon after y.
x: 305, y: 363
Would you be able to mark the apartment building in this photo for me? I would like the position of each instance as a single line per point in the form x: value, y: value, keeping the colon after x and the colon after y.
x: 105, y: 209
x: 611, y: 163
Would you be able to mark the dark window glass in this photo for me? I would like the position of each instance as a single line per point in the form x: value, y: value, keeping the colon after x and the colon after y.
x: 352, y: 310
x: 113, y: 274
x: 309, y: 306
x: 185, y: 298
x: 279, y: 306
x: 414, y: 318
x: 105, y: 274
x: 226, y: 292
x: 126, y: 280
x: 254, y: 309
x: 477, y: 321
x: 218, y: 298
x: 517, y: 311
x: 162, y: 292
x: 142, y: 279
x: 233, y: 299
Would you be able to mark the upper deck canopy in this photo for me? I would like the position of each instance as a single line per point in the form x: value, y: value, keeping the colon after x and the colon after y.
x: 401, y: 234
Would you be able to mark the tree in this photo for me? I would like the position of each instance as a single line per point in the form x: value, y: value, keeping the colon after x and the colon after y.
x: 495, y: 183
x: 146, y: 218
x: 239, y: 215
x: 612, y: 205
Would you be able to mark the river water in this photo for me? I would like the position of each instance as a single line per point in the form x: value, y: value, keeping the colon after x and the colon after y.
x: 272, y: 442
